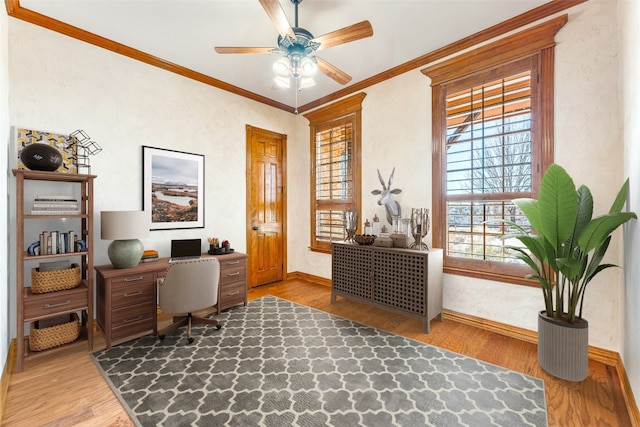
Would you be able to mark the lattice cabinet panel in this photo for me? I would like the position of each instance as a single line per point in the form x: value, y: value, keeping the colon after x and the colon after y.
x: 353, y: 269
x: 400, y: 280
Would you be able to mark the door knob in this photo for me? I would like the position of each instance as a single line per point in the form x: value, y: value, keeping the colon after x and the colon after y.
x: 255, y: 228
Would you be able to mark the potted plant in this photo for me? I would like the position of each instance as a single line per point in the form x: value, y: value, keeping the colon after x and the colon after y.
x: 565, y: 253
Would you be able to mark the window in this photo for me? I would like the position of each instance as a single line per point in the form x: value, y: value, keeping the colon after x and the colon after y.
x: 335, y: 169
x: 492, y: 141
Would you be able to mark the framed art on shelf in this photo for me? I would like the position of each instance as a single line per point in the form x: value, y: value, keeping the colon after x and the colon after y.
x: 173, y: 188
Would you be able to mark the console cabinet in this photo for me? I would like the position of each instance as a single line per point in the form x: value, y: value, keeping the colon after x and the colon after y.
x: 404, y: 281
x: 32, y: 307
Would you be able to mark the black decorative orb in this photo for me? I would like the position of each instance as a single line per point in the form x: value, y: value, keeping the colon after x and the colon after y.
x: 41, y: 157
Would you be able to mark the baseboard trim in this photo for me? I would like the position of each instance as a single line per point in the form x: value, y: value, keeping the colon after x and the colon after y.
x: 6, y: 375
x: 601, y: 355
x: 627, y: 392
x: 309, y: 278
x: 608, y: 357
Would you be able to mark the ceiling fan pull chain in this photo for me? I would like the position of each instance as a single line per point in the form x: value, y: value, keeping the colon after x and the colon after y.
x: 297, y: 90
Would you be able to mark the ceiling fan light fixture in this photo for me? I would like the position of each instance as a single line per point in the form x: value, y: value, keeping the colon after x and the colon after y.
x: 282, y: 82
x: 282, y: 67
x: 308, y: 67
x: 306, y: 82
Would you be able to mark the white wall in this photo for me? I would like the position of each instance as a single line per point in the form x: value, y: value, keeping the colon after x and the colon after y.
x: 629, y: 13
x: 5, y: 316
x: 60, y: 84
x: 397, y: 132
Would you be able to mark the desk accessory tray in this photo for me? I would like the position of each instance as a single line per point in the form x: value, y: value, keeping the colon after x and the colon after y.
x: 220, y: 251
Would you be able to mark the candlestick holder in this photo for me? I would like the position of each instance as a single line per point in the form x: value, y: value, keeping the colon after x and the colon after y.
x: 419, y: 227
x: 350, y: 221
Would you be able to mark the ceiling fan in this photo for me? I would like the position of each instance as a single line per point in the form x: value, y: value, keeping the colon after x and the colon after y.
x: 297, y: 46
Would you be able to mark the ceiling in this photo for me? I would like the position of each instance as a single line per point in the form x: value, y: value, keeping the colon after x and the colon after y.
x: 183, y: 34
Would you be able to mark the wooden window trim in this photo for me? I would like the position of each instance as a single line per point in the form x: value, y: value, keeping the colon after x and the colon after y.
x: 322, y: 119
x: 537, y: 43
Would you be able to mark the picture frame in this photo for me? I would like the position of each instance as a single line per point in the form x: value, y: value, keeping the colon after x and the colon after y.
x: 173, y: 188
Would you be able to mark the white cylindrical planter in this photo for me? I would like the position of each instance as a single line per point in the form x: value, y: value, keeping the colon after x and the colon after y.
x: 563, y: 348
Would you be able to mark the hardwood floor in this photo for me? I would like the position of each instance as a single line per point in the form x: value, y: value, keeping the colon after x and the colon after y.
x: 66, y: 389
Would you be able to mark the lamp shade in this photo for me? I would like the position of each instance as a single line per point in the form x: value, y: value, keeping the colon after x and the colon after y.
x: 124, y: 225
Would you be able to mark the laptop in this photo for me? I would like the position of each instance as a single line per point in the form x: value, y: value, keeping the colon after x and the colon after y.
x: 182, y: 249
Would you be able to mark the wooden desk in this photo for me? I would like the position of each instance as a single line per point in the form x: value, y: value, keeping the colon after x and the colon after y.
x: 126, y: 298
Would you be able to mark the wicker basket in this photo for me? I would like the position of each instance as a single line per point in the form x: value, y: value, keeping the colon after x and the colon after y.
x: 55, y: 331
x: 57, y: 280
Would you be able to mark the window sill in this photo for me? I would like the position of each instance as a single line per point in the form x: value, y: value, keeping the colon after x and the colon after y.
x: 512, y: 280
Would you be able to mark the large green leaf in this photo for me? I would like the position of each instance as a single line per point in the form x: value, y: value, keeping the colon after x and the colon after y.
x: 535, y: 246
x: 529, y: 208
x: 585, y: 209
x: 594, y: 266
x: 621, y: 198
x: 557, y: 205
x: 600, y: 228
x: 572, y: 268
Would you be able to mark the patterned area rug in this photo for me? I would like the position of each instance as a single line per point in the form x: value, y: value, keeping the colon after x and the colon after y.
x: 277, y: 363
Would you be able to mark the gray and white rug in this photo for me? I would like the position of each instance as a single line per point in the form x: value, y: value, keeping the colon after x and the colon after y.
x: 275, y: 363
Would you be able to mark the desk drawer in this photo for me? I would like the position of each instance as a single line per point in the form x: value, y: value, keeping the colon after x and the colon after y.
x: 231, y: 263
x: 131, y: 320
x: 42, y: 305
x: 132, y: 293
x: 232, y: 274
x: 232, y: 294
x: 133, y: 278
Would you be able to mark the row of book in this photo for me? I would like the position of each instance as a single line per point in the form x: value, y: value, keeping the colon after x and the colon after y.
x: 55, y: 242
x: 55, y: 205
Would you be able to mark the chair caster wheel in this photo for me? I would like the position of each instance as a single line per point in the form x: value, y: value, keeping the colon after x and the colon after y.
x: 160, y: 337
x: 190, y: 339
x: 218, y: 326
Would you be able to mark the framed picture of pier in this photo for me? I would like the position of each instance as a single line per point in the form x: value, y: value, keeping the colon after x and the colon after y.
x: 173, y: 188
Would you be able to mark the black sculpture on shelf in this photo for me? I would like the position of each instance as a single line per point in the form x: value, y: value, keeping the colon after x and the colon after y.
x: 41, y: 157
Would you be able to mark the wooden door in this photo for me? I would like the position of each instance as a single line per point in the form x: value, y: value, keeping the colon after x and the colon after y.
x: 266, y: 206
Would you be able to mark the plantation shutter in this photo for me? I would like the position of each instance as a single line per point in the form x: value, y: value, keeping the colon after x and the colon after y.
x: 334, y: 180
x: 489, y: 163
x: 335, y: 168
x: 492, y: 140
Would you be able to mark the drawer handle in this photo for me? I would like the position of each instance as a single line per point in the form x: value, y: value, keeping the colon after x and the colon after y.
x: 233, y: 293
x: 133, y: 294
x: 133, y: 279
x: 232, y: 262
x: 67, y: 302
x: 233, y: 274
x: 132, y: 320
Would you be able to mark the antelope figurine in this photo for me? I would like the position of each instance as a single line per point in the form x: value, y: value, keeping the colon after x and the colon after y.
x: 386, y: 197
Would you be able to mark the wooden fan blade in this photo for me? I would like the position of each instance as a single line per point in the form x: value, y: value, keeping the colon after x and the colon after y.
x: 245, y: 49
x: 348, y: 34
x: 277, y: 16
x: 332, y: 72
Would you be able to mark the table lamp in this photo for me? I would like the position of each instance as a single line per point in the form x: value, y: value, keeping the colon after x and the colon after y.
x: 125, y: 228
